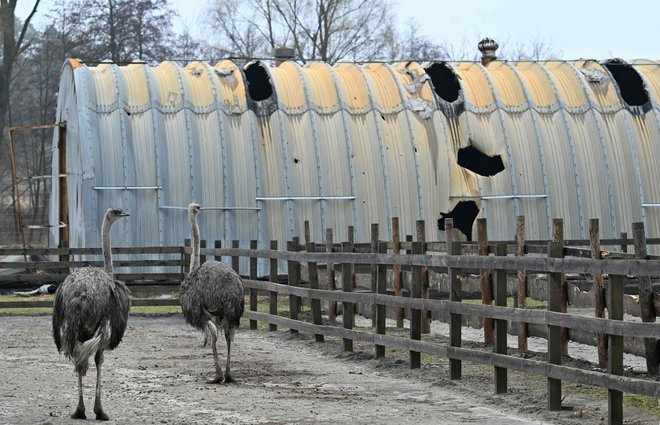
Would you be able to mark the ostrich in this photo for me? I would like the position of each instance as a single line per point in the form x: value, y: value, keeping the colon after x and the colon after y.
x: 211, y: 297
x: 90, y: 312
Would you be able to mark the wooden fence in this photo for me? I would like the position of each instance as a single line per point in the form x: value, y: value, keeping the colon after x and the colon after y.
x: 492, y: 261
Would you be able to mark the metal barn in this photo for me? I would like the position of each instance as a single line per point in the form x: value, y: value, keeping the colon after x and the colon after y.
x: 267, y: 147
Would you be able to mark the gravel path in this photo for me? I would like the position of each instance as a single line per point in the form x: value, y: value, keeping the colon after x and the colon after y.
x: 157, y: 376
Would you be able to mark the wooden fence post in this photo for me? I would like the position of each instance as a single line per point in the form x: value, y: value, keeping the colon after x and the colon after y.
x: 416, y: 314
x: 522, y: 283
x: 615, y: 349
x: 313, y: 282
x: 64, y: 244
x: 421, y: 238
x: 374, y: 270
x: 555, y: 250
x: 272, y: 295
x: 455, y: 320
x: 332, y: 305
x: 624, y: 242
x: 558, y: 236
x: 235, y: 259
x: 646, y: 305
x: 598, y: 289
x: 253, y: 276
x: 381, y: 289
x: 396, y: 250
x: 186, y: 257
x: 351, y: 239
x: 202, y: 258
x: 294, y: 280
x: 500, y: 325
x: 217, y: 245
x: 347, y: 286
x: 484, y: 279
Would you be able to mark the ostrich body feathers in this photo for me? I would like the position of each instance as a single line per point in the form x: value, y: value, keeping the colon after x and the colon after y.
x: 89, y: 307
x: 213, y: 291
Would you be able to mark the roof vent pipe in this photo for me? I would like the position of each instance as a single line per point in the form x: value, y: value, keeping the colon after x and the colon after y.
x: 282, y: 54
x: 488, y: 48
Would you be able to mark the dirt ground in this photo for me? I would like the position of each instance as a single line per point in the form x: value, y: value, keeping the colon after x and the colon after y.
x: 158, y: 373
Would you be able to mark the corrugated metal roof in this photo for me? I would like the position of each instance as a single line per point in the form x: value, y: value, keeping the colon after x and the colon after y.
x: 271, y: 147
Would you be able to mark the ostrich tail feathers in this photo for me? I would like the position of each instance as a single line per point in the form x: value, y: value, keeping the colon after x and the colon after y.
x: 83, y: 351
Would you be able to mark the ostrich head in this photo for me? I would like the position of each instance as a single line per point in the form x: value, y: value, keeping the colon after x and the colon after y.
x: 114, y: 214
x: 194, y: 209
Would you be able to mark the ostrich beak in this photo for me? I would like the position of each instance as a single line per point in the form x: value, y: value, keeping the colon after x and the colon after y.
x: 124, y: 214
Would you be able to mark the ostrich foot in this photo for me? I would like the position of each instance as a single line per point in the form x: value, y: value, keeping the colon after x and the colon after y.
x: 228, y: 379
x: 217, y: 380
x: 101, y: 416
x: 79, y: 414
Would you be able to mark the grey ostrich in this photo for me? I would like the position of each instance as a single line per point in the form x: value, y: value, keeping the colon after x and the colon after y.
x: 211, y: 297
x: 90, y: 312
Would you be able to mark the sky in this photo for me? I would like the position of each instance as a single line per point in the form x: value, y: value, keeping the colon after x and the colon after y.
x: 570, y: 28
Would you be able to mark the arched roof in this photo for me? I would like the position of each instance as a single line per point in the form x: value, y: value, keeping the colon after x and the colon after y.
x: 353, y: 144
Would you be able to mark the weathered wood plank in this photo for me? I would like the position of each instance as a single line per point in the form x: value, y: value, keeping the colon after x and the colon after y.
x: 535, y: 316
x: 416, y: 314
x: 598, y: 289
x: 501, y: 375
x: 455, y: 319
x: 396, y: 279
x: 381, y: 288
x: 45, y: 265
x: 347, y: 287
x: 615, y: 350
x: 646, y: 305
x: 555, y: 249
x: 272, y: 294
x: 253, y: 292
x: 484, y: 279
x: 522, y: 284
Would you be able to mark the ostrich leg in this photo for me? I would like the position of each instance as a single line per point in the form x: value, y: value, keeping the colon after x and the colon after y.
x: 228, y: 377
x: 213, y: 333
x: 98, y: 408
x: 80, y: 410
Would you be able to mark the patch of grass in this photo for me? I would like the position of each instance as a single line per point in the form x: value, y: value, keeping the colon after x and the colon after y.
x: 155, y: 310
x: 432, y: 358
x: 12, y: 297
x: 647, y: 404
x: 531, y: 302
x: 35, y: 311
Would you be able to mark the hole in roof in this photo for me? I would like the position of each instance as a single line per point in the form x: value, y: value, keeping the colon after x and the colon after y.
x: 630, y: 83
x: 463, y: 215
x: 258, y: 82
x: 478, y: 162
x: 445, y: 83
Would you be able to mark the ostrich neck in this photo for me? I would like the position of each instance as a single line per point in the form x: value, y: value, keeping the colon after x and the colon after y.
x: 107, y: 251
x: 194, y: 258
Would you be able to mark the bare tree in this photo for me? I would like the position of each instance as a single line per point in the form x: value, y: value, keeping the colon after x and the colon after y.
x: 414, y: 45
x: 534, y: 49
x: 124, y: 30
x: 328, y: 30
x: 12, y: 47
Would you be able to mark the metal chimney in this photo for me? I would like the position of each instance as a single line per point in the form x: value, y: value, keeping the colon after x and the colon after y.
x: 488, y: 48
x: 282, y: 54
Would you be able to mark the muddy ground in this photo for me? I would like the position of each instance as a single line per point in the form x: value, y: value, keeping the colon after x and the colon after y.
x: 158, y: 375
